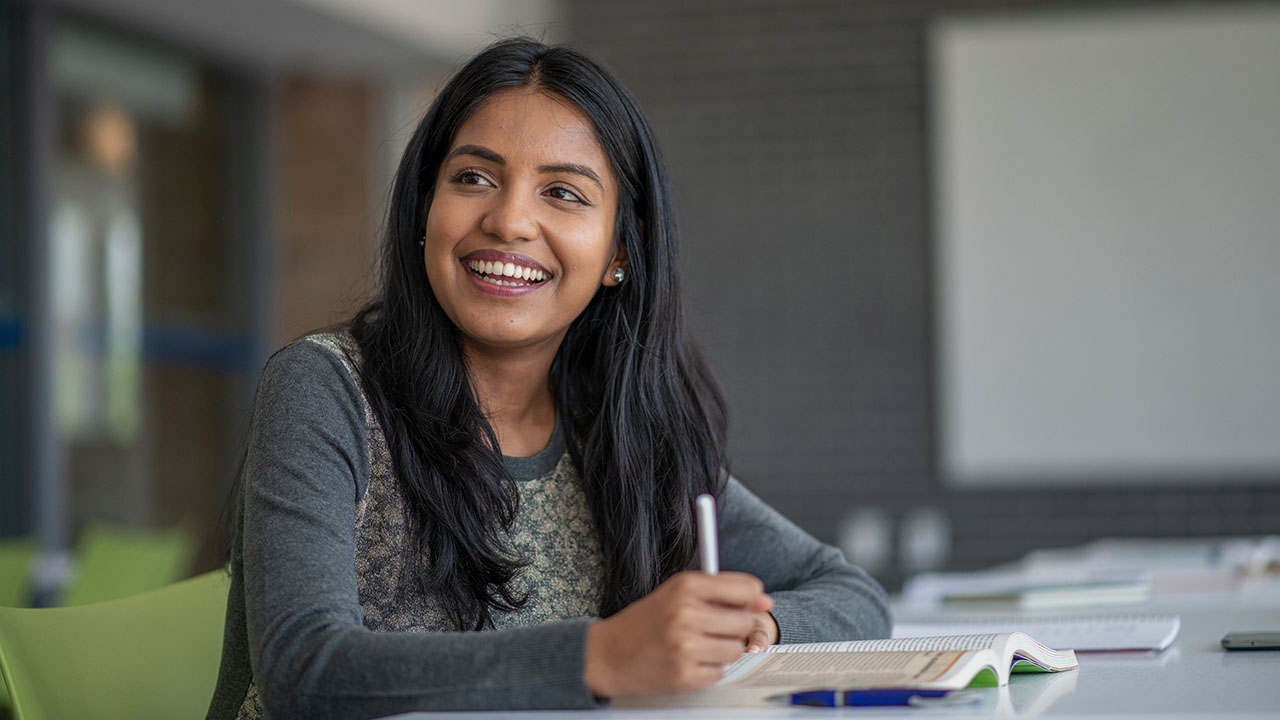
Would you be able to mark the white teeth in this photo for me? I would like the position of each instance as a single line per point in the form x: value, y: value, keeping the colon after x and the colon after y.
x: 520, y: 274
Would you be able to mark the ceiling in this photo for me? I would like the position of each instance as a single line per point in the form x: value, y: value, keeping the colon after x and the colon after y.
x: 333, y: 36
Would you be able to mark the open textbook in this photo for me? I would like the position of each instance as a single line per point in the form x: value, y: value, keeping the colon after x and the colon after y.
x: 933, y: 663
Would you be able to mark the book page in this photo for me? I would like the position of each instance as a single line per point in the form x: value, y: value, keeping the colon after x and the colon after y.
x: 849, y: 670
x: 949, y: 642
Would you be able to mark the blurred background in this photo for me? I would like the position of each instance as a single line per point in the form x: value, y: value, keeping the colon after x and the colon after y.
x: 977, y: 277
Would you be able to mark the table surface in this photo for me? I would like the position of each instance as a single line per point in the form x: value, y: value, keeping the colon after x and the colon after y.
x: 1193, y: 678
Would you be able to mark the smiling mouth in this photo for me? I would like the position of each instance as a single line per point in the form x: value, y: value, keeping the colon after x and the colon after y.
x: 506, y: 274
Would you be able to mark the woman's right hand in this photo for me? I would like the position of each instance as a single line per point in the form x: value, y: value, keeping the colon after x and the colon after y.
x: 675, y: 639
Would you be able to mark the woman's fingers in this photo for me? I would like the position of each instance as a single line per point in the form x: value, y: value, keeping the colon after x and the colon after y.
x: 733, y: 589
x: 730, y: 624
x: 718, y: 651
x: 724, y: 605
x: 676, y: 638
x: 763, y: 633
x: 763, y: 604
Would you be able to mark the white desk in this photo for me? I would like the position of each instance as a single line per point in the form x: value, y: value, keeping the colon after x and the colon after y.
x: 1194, y: 678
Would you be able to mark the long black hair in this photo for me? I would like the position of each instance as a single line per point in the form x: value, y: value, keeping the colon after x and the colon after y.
x: 644, y: 420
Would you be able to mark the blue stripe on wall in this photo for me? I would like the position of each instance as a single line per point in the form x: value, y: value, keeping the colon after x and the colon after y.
x: 201, y: 348
x: 10, y: 332
x: 227, y: 352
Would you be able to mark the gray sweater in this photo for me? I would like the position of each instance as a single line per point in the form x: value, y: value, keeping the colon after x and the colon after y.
x: 322, y: 623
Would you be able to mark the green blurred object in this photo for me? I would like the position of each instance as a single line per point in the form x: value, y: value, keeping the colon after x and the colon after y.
x: 153, y: 655
x: 16, y: 556
x: 114, y: 562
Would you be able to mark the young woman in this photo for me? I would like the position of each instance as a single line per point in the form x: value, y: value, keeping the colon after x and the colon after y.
x: 439, y: 505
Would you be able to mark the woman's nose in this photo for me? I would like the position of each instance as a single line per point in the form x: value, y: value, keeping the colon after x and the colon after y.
x: 511, y: 216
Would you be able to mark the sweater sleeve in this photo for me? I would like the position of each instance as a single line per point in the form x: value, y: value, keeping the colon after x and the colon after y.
x: 817, y: 594
x: 311, y: 656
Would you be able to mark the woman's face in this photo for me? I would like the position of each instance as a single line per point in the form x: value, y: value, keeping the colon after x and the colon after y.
x: 519, y: 233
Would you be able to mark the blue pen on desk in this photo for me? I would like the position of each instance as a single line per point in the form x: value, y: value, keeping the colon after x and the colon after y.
x: 882, y: 697
x: 708, y: 547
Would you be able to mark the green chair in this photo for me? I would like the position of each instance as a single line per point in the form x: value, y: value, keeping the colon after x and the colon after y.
x: 153, y: 655
x: 16, y: 557
x: 114, y: 562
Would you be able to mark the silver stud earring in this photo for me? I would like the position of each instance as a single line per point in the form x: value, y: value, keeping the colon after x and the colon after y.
x: 619, y: 275
x: 422, y: 241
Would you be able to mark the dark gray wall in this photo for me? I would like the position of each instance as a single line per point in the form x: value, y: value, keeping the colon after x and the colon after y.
x: 10, y: 487
x: 797, y: 136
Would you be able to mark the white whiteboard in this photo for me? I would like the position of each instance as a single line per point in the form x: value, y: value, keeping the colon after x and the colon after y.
x: 1107, y: 191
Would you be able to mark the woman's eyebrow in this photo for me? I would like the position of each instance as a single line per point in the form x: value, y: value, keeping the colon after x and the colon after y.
x: 575, y: 169
x: 479, y: 151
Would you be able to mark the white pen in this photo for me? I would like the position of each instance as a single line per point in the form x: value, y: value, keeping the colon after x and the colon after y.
x: 708, y: 546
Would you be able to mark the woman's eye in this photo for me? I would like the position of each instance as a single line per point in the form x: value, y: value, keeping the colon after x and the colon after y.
x: 470, y: 177
x: 560, y: 193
